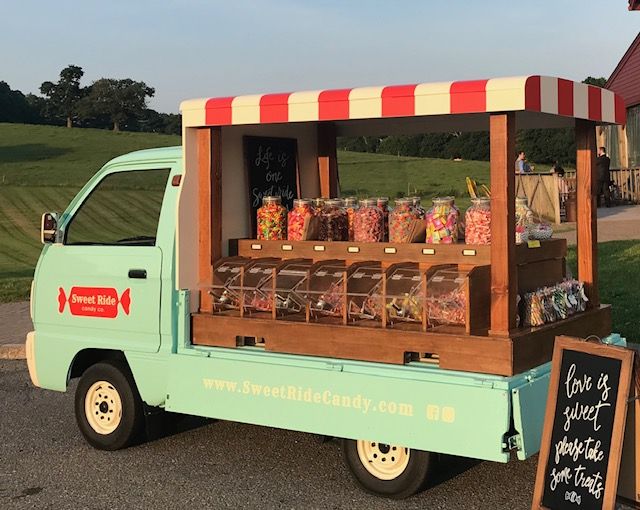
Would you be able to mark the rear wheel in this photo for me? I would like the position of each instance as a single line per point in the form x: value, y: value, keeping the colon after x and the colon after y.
x: 108, y: 408
x: 387, y: 470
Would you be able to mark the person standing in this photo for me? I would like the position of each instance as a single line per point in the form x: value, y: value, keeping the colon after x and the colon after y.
x: 603, y: 176
x: 522, y: 167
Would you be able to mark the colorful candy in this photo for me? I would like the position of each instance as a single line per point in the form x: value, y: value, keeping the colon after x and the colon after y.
x: 383, y: 203
x: 524, y: 218
x: 272, y: 219
x: 553, y: 303
x: 351, y: 206
x: 334, y: 222
x: 478, y: 222
x: 442, y: 221
x: 417, y: 206
x: 401, y: 221
x: 447, y: 308
x: 368, y: 223
x: 300, y: 213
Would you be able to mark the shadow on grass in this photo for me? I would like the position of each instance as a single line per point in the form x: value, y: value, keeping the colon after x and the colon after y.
x: 30, y: 152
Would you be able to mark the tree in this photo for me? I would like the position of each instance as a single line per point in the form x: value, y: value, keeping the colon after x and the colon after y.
x: 65, y: 95
x: 120, y: 100
x: 598, y: 82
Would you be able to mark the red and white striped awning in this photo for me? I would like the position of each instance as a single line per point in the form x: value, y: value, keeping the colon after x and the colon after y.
x: 543, y: 94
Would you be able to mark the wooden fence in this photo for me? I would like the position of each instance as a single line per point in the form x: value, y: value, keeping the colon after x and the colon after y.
x: 548, y: 193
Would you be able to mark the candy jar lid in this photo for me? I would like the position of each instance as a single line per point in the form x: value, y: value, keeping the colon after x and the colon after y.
x: 522, y: 201
x: 415, y: 200
x: 481, y: 201
x: 403, y: 201
x: 318, y: 202
x: 351, y: 201
x: 301, y: 202
x: 442, y: 201
x: 368, y: 202
x: 382, y: 200
x: 271, y: 200
x: 333, y: 202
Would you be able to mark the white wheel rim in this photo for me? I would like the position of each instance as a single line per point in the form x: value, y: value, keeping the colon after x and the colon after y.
x: 383, y: 461
x: 103, y: 407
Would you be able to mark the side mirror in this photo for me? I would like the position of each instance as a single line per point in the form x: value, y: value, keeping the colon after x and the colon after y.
x: 48, y: 227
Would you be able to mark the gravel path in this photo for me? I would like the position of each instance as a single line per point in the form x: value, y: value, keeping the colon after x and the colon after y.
x: 614, y: 224
x: 15, y: 322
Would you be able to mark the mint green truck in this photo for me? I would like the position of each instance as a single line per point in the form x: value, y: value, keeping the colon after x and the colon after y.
x: 119, y: 285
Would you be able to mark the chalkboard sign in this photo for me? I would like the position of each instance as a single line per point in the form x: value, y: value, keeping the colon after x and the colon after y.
x: 584, y: 426
x: 272, y: 167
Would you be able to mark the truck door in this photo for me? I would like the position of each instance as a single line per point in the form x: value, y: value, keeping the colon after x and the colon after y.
x: 101, y: 285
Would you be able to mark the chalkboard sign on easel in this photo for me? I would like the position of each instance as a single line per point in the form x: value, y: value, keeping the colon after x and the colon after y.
x: 583, y: 427
x: 272, y: 168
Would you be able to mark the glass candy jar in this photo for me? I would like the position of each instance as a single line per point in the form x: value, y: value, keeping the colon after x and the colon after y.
x: 334, y: 223
x: 368, y: 222
x: 524, y: 218
x: 401, y: 221
x: 300, y: 213
x: 383, y: 203
x: 272, y: 219
x: 351, y: 205
x: 442, y: 221
x: 417, y: 206
x: 478, y: 222
x: 316, y: 206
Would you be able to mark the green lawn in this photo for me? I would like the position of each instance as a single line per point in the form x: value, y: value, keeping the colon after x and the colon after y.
x: 41, y: 169
x: 619, y: 281
x: 364, y: 174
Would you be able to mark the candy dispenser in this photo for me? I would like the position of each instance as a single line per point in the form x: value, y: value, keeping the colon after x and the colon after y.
x: 254, y: 276
x: 417, y: 206
x: 225, y: 288
x: 272, y: 219
x: 401, y: 221
x: 334, y: 222
x: 325, y: 292
x: 298, y: 219
x: 478, y: 222
x: 364, y: 291
x: 404, y: 296
x: 351, y: 206
x: 447, y: 297
x: 442, y: 221
x: 383, y: 203
x: 288, y: 287
x: 368, y: 226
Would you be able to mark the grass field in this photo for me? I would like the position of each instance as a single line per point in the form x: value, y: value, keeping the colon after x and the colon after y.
x: 42, y: 168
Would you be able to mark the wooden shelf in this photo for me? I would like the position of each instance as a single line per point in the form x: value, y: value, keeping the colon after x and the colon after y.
x: 389, y: 253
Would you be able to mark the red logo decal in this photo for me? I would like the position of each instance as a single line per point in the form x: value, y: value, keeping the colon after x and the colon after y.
x: 94, y: 301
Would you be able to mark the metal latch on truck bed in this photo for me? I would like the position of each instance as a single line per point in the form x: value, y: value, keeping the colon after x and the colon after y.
x: 512, y: 443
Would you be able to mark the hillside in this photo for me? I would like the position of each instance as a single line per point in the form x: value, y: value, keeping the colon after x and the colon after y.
x: 41, y: 169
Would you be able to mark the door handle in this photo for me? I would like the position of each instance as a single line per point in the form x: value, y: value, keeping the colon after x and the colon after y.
x: 138, y: 273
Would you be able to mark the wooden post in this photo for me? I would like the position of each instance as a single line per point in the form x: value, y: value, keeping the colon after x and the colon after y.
x: 587, y: 211
x: 209, y: 209
x: 327, y: 160
x: 622, y: 146
x: 504, y: 283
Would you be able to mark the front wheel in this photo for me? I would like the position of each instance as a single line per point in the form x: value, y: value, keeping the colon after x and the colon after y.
x: 387, y: 470
x: 108, y: 408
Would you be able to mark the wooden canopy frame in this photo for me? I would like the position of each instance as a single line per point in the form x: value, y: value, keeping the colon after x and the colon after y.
x: 531, y: 107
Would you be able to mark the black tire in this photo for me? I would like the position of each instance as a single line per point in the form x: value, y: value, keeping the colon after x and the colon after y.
x: 407, y: 482
x: 128, y: 425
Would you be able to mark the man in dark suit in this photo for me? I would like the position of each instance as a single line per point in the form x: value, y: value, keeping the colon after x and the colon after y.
x: 602, y: 174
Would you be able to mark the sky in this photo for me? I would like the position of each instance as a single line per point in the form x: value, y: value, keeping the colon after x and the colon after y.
x: 206, y: 48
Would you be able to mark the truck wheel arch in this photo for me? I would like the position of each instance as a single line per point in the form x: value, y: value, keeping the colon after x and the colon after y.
x: 88, y: 357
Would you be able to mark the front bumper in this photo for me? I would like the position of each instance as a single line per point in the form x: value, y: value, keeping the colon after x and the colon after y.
x: 30, y: 348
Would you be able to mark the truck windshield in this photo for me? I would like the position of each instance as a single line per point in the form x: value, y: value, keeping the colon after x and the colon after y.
x: 122, y: 210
